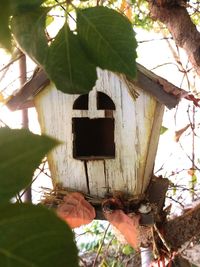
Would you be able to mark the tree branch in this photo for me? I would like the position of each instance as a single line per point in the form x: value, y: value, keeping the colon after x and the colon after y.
x: 176, y: 18
x: 183, y: 228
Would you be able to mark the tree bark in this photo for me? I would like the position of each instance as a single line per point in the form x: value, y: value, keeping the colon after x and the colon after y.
x: 183, y: 228
x: 25, y: 120
x: 174, y: 15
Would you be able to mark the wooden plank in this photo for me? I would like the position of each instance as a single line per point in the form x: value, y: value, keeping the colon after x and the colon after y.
x: 146, y: 80
x: 28, y: 91
x: 133, y: 124
x: 97, y: 179
x: 119, y: 172
x: 149, y: 82
x: 93, y: 112
x: 145, y: 108
x: 153, y: 145
x: 55, y: 116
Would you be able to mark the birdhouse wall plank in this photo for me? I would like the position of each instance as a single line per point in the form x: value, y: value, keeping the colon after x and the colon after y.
x: 54, y: 113
x: 97, y: 178
x: 152, y: 146
x: 134, y: 137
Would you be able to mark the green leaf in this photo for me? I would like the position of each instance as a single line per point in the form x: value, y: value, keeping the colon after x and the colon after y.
x: 49, y: 20
x: 163, y: 129
x: 174, y: 190
x: 32, y: 236
x: 29, y: 31
x: 20, y: 154
x: 9, y: 8
x: 67, y: 65
x: 193, y: 180
x: 5, y: 34
x: 21, y: 6
x: 108, y: 39
x: 127, y: 250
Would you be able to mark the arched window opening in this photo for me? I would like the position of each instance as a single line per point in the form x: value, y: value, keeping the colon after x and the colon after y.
x: 81, y: 102
x: 104, y: 102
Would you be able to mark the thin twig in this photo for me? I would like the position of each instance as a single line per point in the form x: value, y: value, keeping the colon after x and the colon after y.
x: 162, y: 238
x: 195, y: 166
x: 176, y: 201
x: 101, y: 245
x: 10, y: 63
x: 107, y: 247
x: 18, y: 198
x: 66, y: 10
x: 152, y: 40
x: 4, y: 124
x: 34, y: 179
x: 83, y: 262
x: 164, y: 64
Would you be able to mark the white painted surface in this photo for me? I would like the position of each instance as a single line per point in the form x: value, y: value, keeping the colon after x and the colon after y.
x: 132, y: 166
x: 146, y: 257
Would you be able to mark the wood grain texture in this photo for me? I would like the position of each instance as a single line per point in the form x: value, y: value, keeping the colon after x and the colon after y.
x: 135, y: 139
x: 145, y: 80
x: 55, y: 116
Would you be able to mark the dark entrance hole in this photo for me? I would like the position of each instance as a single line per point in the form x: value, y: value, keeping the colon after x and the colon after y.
x: 93, y: 138
x: 104, y: 102
x: 81, y: 102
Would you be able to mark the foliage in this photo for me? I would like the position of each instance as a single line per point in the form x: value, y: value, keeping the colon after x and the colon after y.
x: 75, y: 73
x: 108, y: 39
x: 30, y: 235
x: 28, y: 28
x: 163, y: 129
x: 5, y: 35
x: 102, y: 38
x: 19, y: 159
x: 34, y: 236
x: 127, y: 224
x: 75, y: 210
x: 98, y: 244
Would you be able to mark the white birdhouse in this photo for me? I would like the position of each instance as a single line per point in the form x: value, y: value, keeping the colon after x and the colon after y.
x: 109, y: 136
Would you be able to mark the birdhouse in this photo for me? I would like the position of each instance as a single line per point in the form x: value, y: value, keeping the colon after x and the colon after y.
x: 109, y: 139
x: 109, y: 136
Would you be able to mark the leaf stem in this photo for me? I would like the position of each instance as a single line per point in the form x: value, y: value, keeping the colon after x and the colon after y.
x: 100, y: 247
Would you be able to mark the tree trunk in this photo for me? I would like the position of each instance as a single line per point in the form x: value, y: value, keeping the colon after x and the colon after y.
x: 183, y: 228
x: 174, y: 15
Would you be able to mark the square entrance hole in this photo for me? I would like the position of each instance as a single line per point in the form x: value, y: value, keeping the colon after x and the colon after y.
x: 93, y: 138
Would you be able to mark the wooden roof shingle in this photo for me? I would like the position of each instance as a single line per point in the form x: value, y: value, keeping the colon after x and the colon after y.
x: 165, y: 92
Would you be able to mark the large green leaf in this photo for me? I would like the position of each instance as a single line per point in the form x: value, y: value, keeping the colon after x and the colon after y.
x: 67, y: 65
x: 5, y: 34
x: 20, y: 154
x: 14, y: 7
x: 108, y: 39
x: 20, y: 6
x: 32, y: 236
x: 29, y: 31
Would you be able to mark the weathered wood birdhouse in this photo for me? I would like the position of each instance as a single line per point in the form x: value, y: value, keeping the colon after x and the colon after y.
x: 109, y: 136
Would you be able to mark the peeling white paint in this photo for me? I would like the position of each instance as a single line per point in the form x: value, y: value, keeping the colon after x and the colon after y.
x: 135, y: 140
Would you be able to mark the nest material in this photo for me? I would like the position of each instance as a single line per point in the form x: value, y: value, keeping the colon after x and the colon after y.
x: 153, y: 199
x: 54, y: 197
x: 148, y: 206
x: 117, y: 200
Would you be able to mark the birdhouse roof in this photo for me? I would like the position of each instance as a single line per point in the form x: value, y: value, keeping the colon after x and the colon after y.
x: 165, y: 92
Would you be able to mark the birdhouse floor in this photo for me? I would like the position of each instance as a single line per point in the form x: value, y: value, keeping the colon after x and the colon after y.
x: 155, y: 195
